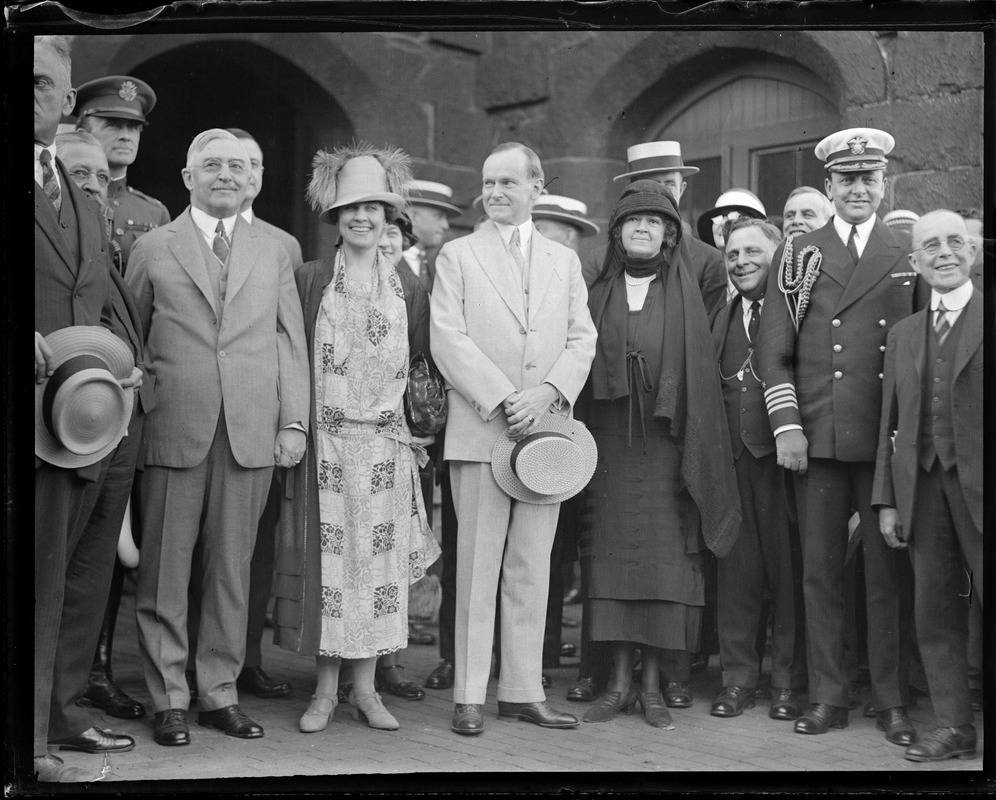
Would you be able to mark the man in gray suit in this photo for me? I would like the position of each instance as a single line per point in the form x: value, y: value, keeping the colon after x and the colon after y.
x: 511, y: 333
x: 226, y: 350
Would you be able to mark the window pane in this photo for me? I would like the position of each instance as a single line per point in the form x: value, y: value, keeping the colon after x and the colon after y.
x: 776, y: 177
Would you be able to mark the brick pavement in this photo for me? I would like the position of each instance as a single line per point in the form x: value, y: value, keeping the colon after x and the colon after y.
x: 699, y: 743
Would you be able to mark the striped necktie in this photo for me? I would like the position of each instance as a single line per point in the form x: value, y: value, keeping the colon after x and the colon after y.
x: 941, y: 325
x: 220, y: 245
x: 852, y: 246
x: 49, y: 183
x: 516, y: 251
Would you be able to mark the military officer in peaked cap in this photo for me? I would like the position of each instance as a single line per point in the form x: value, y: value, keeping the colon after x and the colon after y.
x: 835, y: 294
x: 115, y: 109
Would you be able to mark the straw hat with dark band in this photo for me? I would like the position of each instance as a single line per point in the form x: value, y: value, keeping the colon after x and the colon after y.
x: 437, y: 195
x: 650, y: 157
x: 81, y: 412
x: 551, y: 464
x: 564, y: 209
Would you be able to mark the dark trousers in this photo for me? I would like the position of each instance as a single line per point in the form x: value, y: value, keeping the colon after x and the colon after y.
x: 825, y: 496
x: 447, y: 578
x: 764, y: 560
x: 946, y: 551
x: 261, y: 573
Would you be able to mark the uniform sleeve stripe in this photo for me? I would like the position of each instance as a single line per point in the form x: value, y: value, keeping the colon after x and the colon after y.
x: 780, y: 396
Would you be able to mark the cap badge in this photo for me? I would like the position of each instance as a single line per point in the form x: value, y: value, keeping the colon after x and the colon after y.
x: 857, y: 145
x: 128, y: 91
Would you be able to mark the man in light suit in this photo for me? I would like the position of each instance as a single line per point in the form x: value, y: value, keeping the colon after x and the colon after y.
x: 821, y: 357
x: 511, y: 333
x: 72, y: 275
x: 928, y: 475
x: 225, y: 347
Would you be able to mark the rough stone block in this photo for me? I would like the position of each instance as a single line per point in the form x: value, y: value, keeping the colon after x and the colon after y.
x: 924, y: 191
x: 515, y: 71
x: 930, y: 62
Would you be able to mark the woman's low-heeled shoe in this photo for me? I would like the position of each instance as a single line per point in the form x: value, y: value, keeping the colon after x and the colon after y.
x: 316, y: 716
x: 654, y: 709
x: 370, y: 707
x: 606, y: 707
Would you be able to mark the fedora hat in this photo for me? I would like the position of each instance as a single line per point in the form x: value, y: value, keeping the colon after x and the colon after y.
x: 564, y: 209
x: 655, y: 157
x: 81, y: 412
x: 358, y: 173
x: 743, y: 201
x: 437, y: 195
x: 551, y: 464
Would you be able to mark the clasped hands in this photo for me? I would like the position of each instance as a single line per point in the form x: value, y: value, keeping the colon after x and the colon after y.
x: 44, y: 370
x: 523, y: 409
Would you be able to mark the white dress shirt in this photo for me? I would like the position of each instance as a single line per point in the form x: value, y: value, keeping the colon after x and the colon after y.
x: 38, y: 167
x: 954, y: 301
x: 207, y: 224
x: 843, y: 229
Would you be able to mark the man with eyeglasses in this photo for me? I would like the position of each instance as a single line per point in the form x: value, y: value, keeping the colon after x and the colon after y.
x: 834, y: 296
x: 115, y: 110
x: 227, y: 355
x: 928, y: 477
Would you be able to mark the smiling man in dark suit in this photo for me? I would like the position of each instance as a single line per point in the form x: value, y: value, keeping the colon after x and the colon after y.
x: 831, y: 302
x: 928, y: 477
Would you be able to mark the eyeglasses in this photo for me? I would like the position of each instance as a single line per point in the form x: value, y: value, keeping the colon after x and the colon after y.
x: 932, y: 249
x: 83, y: 175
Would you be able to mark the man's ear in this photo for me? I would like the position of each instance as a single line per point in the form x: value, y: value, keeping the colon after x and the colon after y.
x: 188, y: 178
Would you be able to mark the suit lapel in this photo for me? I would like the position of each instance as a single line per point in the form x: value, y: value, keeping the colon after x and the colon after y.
x: 186, y: 249
x: 89, y: 233
x: 970, y: 339
x: 835, y: 254
x: 918, y: 341
x: 243, y: 257
x: 490, y: 251
x: 46, y: 219
x: 880, y: 254
x: 542, y: 269
x: 723, y: 324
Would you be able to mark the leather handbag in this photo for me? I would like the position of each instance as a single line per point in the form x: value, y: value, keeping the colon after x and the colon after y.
x: 425, y: 397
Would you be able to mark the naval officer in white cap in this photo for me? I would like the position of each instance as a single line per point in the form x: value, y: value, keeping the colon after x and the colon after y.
x: 836, y: 292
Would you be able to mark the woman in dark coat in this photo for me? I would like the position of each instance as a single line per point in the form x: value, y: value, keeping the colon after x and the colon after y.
x: 664, y: 488
x: 353, y: 532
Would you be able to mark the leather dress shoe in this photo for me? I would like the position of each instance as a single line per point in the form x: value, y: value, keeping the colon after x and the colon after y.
x: 821, y: 718
x: 170, y: 727
x: 96, y: 740
x: 406, y: 690
x: 897, y: 726
x: 538, y: 713
x: 677, y: 694
x: 943, y: 743
x: 232, y: 721
x: 583, y: 690
x: 733, y: 701
x: 441, y: 677
x: 568, y: 650
x: 546, y: 681
x: 257, y: 682
x: 52, y: 769
x: 468, y: 719
x: 785, y: 704
x: 103, y: 693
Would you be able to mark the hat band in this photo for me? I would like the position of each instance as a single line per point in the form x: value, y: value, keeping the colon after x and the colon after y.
x: 551, y: 209
x: 662, y: 163
x: 125, y: 112
x: 869, y: 154
x: 433, y: 197
x: 533, y: 437
x: 63, y: 373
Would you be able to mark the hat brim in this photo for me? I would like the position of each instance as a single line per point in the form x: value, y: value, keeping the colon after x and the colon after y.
x: 685, y: 172
x: 392, y: 199
x: 704, y: 225
x: 587, y: 228
x: 450, y: 210
x: 76, y: 341
x: 581, y: 470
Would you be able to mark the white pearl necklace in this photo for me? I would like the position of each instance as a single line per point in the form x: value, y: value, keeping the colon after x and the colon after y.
x: 638, y: 281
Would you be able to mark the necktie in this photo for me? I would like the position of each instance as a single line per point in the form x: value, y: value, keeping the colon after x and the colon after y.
x: 516, y: 251
x: 49, y: 183
x: 754, y: 323
x: 852, y: 246
x: 220, y: 245
x: 941, y: 325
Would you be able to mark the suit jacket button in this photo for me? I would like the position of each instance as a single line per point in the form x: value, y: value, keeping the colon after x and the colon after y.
x: 221, y: 353
x: 837, y: 348
x: 838, y: 375
x: 881, y: 323
x: 530, y: 366
x: 522, y: 331
x: 836, y: 323
x: 881, y: 349
x: 880, y: 376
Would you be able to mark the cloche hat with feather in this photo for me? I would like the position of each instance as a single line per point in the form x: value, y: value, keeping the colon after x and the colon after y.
x: 358, y: 173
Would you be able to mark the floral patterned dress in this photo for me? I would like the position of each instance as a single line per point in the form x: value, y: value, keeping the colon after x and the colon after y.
x: 374, y: 537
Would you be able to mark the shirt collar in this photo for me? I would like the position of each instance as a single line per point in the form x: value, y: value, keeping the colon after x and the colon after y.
x: 843, y: 228
x: 247, y: 215
x: 955, y: 300
x: 525, y: 233
x: 207, y: 224
x: 50, y: 148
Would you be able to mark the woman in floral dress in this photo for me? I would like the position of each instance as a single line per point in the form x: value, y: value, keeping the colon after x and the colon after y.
x: 354, y: 533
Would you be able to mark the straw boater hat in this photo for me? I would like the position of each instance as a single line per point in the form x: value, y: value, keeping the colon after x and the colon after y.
x: 358, y: 173
x: 743, y: 201
x: 437, y: 195
x: 901, y: 218
x: 655, y: 157
x: 551, y: 464
x: 564, y: 209
x: 855, y: 150
x: 81, y: 411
